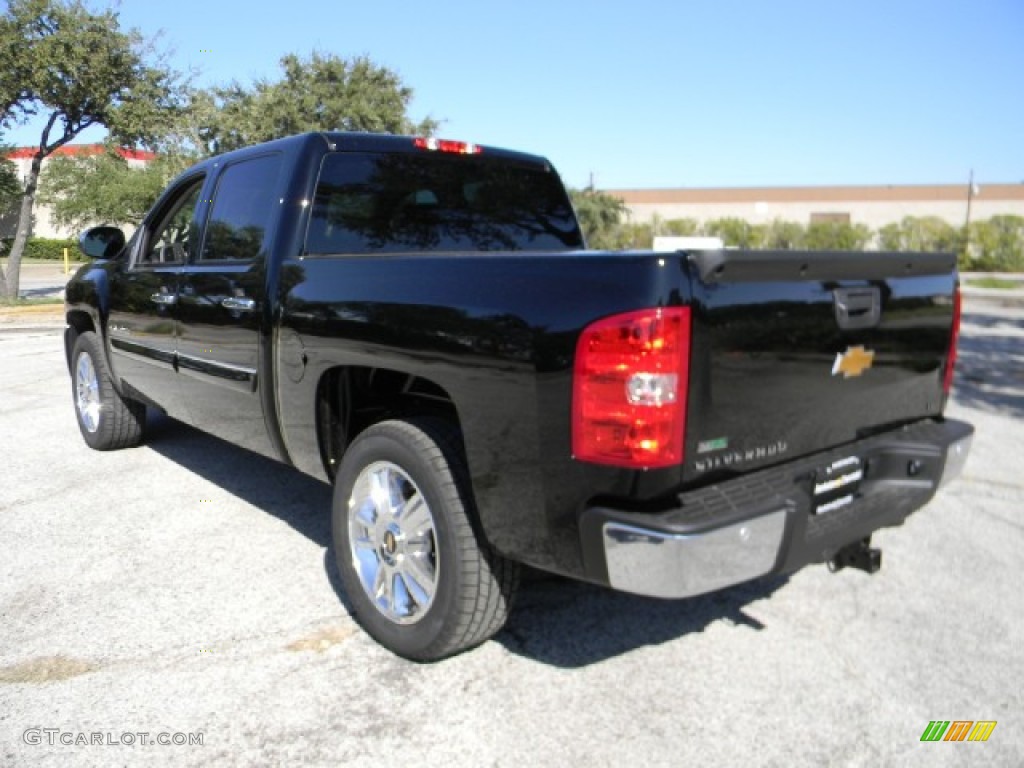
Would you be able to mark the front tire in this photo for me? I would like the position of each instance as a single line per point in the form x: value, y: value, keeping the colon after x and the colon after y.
x: 420, y: 579
x: 107, y: 420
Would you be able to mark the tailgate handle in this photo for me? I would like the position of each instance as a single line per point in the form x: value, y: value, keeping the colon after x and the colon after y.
x: 857, y: 307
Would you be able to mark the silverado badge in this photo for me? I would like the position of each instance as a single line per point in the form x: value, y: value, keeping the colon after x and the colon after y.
x: 853, y: 362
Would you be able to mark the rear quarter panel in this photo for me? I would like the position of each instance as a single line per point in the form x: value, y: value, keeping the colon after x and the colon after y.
x: 497, y: 332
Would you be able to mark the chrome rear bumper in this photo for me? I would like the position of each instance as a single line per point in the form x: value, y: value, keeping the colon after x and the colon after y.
x: 774, y: 520
x: 678, y: 565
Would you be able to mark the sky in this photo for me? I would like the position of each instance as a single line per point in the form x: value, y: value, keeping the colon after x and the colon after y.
x: 661, y: 93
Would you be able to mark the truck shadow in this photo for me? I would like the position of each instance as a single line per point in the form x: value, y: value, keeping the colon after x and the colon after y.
x: 990, y: 367
x: 294, y: 498
x: 569, y: 624
x: 555, y: 621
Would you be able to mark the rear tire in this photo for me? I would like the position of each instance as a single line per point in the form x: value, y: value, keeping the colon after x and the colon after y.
x: 421, y: 580
x: 107, y: 420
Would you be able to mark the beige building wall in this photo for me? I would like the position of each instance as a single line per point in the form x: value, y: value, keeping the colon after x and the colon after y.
x: 43, y: 223
x: 873, y: 206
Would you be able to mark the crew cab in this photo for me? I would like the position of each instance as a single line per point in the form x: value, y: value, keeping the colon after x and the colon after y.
x: 417, y: 322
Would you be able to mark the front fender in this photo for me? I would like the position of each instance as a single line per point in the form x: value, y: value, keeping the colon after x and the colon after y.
x: 87, y: 305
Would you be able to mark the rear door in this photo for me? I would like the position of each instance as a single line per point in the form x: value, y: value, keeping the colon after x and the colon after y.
x: 221, y: 303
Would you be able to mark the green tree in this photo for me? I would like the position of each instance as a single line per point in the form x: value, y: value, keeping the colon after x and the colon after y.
x: 919, y: 233
x: 836, y: 236
x: 321, y: 93
x: 77, y: 68
x: 600, y: 216
x: 10, y: 187
x: 733, y: 232
x: 782, y: 235
x: 105, y: 188
x: 997, y: 244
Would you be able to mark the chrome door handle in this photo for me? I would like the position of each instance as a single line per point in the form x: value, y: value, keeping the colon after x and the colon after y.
x: 239, y: 303
x: 164, y: 298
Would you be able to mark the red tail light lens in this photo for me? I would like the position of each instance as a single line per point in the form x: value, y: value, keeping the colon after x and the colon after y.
x: 444, y: 145
x: 954, y: 339
x: 629, y: 389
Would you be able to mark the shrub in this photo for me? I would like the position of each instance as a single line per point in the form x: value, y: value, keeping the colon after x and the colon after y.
x: 782, y: 235
x: 996, y: 245
x: 920, y: 233
x: 836, y: 236
x: 734, y: 232
x: 43, y: 248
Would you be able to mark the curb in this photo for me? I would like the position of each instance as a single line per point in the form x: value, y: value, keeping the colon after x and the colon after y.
x: 19, y: 329
x: 32, y: 317
x: 32, y: 309
x: 992, y: 297
x: 1002, y: 297
x: 42, y: 313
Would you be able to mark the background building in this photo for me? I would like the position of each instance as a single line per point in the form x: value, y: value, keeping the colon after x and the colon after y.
x: 874, y: 206
x: 43, y: 224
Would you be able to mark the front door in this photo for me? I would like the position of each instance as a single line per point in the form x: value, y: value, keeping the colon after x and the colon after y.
x: 142, y: 322
x: 221, y: 306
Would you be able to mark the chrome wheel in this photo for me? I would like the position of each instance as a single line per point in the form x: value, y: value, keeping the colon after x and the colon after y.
x: 87, y: 393
x: 392, y: 542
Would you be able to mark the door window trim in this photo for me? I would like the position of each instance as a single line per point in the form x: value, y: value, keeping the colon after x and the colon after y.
x: 197, y: 259
x: 174, y: 199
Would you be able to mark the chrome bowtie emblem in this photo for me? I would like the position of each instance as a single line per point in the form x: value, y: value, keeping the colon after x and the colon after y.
x: 853, y: 362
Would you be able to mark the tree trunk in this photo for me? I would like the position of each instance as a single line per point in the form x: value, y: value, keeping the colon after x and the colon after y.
x: 13, y: 277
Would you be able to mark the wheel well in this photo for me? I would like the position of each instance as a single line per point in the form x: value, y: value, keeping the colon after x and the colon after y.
x: 78, y: 323
x: 351, y: 398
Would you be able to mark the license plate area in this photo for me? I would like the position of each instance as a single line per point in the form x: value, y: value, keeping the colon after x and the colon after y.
x: 835, y: 486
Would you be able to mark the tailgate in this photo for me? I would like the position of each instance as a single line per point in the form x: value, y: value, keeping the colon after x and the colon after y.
x: 797, y: 352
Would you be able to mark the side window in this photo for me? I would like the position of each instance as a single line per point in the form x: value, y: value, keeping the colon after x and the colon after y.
x: 242, y: 208
x: 174, y: 237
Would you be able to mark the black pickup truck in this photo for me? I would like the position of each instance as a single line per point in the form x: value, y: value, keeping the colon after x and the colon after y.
x: 417, y: 322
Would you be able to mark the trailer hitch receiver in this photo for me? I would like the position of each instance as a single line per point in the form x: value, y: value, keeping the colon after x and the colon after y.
x: 859, y: 555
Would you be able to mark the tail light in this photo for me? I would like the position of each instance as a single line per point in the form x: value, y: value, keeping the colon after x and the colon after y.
x: 954, y: 338
x: 629, y: 389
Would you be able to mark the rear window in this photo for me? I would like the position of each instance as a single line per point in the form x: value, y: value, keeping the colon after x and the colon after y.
x: 400, y: 203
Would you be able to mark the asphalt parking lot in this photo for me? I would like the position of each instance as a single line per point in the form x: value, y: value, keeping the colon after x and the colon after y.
x: 186, y: 587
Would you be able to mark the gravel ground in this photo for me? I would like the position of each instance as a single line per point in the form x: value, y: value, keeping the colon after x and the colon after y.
x: 186, y: 587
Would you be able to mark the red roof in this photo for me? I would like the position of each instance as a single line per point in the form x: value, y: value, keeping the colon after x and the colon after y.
x: 78, y: 150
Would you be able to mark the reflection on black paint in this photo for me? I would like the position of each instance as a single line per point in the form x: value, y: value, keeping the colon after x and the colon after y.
x: 229, y: 243
x: 442, y: 329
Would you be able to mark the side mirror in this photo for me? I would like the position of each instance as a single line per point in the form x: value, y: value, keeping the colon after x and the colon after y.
x: 102, y: 242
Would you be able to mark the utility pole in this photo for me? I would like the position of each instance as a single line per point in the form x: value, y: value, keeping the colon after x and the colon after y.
x: 971, y: 192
